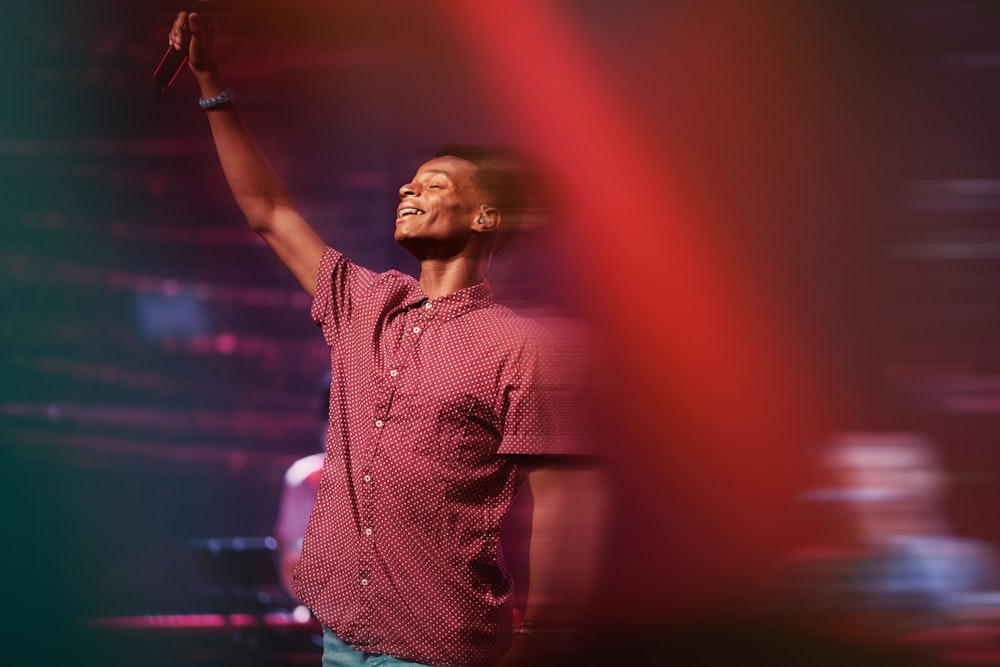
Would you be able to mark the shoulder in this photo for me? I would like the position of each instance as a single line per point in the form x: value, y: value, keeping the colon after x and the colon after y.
x: 395, y: 279
x: 549, y: 331
x: 517, y: 325
x: 363, y: 279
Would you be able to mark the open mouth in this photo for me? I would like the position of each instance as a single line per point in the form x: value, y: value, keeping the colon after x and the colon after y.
x: 403, y: 212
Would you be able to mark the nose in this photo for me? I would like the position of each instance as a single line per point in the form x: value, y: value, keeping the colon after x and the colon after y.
x: 408, y: 190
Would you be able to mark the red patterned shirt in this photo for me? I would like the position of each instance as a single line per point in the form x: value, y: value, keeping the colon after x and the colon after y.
x: 402, y: 555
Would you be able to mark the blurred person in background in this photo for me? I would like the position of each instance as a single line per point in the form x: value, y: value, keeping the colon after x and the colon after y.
x: 442, y: 404
x: 300, y: 485
x: 887, y: 563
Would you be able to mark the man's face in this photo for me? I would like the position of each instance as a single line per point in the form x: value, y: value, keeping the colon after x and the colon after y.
x: 438, y: 208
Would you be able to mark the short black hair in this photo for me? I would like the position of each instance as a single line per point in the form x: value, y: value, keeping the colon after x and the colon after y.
x: 500, y: 173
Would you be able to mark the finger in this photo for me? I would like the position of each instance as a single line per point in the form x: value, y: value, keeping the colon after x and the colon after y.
x: 196, y: 25
x: 179, y: 20
x: 176, y: 37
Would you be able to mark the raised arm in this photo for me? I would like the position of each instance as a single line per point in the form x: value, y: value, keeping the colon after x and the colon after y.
x: 258, y: 190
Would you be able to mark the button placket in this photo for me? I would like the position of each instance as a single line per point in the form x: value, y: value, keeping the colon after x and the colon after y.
x: 396, y: 361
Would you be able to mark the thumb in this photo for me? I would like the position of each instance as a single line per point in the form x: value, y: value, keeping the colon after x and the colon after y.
x: 195, y: 25
x: 200, y: 53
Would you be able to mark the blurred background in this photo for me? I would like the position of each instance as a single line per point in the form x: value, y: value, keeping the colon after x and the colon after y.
x: 779, y: 217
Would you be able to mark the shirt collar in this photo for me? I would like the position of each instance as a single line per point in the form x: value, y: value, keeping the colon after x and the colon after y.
x: 457, y: 303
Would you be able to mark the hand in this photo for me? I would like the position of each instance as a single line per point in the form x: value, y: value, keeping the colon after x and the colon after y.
x: 201, y: 51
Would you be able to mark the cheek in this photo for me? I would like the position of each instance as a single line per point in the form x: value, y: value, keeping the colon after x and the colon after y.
x: 453, y: 205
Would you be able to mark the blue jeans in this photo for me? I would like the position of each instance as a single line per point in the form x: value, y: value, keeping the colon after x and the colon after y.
x: 337, y: 653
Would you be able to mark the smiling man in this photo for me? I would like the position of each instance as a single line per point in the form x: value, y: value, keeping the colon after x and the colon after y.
x: 442, y: 403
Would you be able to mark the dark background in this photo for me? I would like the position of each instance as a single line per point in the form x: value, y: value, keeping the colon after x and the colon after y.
x: 159, y: 367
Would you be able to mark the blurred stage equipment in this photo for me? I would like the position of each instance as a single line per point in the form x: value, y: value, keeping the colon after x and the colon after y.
x: 252, y: 619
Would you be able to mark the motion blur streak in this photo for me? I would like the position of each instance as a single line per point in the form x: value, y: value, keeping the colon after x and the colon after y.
x: 713, y: 391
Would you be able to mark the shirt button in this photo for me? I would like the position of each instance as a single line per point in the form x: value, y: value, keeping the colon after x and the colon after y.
x: 393, y: 373
x: 416, y: 330
x: 364, y: 582
x: 368, y: 478
x: 379, y: 423
x: 428, y: 305
x: 368, y: 532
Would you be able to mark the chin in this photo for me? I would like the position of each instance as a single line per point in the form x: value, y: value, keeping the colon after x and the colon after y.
x: 415, y: 246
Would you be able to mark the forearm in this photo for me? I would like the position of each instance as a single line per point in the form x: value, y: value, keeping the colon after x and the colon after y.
x: 259, y: 191
x: 257, y: 188
x: 566, y: 544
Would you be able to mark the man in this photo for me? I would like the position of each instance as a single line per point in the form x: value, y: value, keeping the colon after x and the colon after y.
x: 442, y: 403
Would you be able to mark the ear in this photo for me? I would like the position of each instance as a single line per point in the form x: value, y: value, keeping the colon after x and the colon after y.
x: 488, y: 220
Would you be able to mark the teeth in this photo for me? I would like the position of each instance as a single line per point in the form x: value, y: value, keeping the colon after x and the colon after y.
x: 409, y: 211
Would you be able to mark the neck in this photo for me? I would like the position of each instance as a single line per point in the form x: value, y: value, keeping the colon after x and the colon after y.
x: 440, y: 277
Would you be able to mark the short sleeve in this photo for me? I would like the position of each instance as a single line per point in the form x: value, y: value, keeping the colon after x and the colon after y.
x: 338, y: 280
x: 543, y: 415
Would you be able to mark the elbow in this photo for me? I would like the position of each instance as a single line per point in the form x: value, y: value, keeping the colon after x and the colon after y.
x: 266, y: 215
x: 260, y: 226
x: 260, y: 219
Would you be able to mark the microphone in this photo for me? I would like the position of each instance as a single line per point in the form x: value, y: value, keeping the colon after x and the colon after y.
x: 173, y: 60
